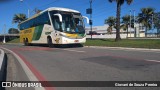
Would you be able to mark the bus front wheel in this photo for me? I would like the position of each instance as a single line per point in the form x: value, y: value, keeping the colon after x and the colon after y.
x: 49, y: 42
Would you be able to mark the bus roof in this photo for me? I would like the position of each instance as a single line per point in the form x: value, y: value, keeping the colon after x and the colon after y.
x: 61, y: 9
x: 52, y: 9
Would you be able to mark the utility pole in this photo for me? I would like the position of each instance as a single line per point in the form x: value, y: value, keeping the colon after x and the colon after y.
x: 90, y: 21
x: 89, y: 11
x: 4, y: 40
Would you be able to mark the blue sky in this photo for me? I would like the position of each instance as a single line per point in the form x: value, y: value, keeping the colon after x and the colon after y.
x: 102, y: 9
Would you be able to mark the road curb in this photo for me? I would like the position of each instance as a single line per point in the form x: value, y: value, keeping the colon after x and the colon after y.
x: 12, y: 43
x: 28, y: 72
x: 124, y: 48
x: 3, y: 64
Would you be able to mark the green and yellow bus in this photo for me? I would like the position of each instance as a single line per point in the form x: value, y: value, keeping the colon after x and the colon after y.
x: 54, y: 26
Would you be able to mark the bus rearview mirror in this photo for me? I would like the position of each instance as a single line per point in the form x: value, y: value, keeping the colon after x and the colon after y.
x: 59, y: 16
x: 86, y: 19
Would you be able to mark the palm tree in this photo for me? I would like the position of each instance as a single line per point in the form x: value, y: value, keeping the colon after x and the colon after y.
x: 157, y: 23
x: 111, y: 21
x: 37, y: 11
x: 18, y: 18
x: 126, y: 22
x: 119, y: 4
x: 157, y: 20
x: 145, y: 18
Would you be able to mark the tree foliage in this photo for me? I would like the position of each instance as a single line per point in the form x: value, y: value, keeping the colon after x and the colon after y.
x: 18, y: 18
x: 111, y: 21
x: 157, y: 20
x: 37, y: 10
x: 13, y: 31
x: 126, y: 22
x: 145, y: 17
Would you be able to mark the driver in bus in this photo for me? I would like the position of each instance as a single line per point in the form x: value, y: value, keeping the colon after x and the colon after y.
x: 76, y: 24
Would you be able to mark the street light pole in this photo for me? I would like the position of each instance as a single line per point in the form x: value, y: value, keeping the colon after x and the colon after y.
x: 28, y: 9
x: 28, y: 13
x: 130, y: 23
x: 134, y: 24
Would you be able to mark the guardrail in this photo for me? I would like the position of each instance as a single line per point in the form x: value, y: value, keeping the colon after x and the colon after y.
x: 10, y: 34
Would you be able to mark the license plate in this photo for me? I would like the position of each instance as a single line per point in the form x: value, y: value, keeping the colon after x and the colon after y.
x: 76, y: 40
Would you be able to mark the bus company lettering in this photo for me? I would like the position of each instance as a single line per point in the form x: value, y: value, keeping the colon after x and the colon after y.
x: 57, y: 40
x: 28, y: 31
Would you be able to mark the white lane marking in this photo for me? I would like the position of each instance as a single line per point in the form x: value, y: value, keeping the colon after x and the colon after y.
x: 143, y: 51
x: 146, y: 51
x: 73, y: 50
x: 152, y: 60
x: 26, y: 69
x: 128, y: 49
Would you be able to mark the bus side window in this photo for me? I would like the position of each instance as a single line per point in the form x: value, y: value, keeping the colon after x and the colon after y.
x: 46, y: 19
x: 35, y: 21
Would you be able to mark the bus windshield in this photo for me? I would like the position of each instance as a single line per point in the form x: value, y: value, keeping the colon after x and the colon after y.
x: 71, y: 23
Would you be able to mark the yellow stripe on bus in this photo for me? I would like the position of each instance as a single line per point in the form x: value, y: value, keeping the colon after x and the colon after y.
x: 27, y: 33
x: 72, y: 35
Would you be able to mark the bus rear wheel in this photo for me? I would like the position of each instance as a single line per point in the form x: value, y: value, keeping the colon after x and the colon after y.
x: 26, y: 42
x: 49, y: 42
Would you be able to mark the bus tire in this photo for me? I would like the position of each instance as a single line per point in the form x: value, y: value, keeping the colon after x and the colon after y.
x: 26, y: 42
x: 49, y: 42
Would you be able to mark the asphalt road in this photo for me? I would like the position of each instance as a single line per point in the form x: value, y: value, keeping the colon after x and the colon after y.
x: 91, y: 64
